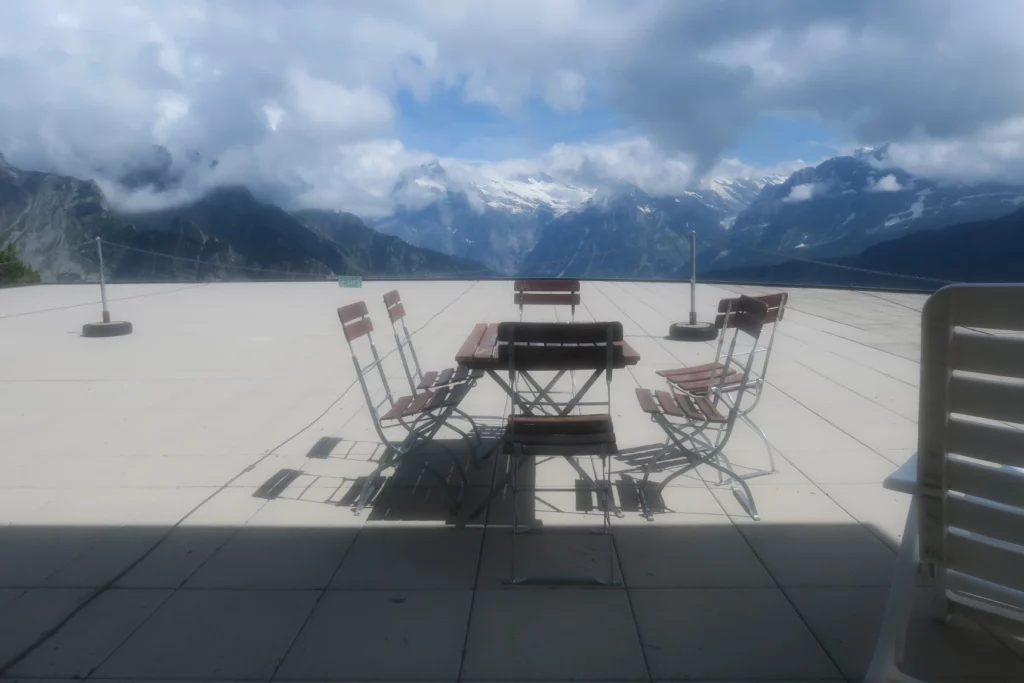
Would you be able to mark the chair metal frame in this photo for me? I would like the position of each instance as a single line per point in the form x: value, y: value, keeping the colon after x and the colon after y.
x: 418, y: 380
x: 966, y: 521
x: 724, y: 391
x: 692, y: 436
x: 421, y: 426
x: 567, y: 446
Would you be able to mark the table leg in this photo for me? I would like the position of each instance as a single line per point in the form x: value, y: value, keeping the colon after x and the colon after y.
x: 568, y: 408
x: 508, y: 390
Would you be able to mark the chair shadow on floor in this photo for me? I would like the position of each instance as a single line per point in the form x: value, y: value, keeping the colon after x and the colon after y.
x: 631, y: 463
x: 421, y: 487
x: 637, y: 458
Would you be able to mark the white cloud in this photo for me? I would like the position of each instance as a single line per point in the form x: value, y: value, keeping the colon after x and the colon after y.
x: 298, y: 100
x: 729, y: 168
x: 332, y: 104
x: 566, y: 90
x: 800, y: 193
x: 887, y: 183
x: 365, y: 173
x: 996, y: 153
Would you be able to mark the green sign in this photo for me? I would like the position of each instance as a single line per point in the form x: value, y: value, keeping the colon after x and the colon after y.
x: 350, y: 281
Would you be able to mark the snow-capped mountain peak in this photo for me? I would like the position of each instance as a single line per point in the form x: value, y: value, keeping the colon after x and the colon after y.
x: 523, y: 195
x: 873, y: 155
x: 527, y: 193
x: 421, y: 185
x: 430, y: 182
x: 739, y: 192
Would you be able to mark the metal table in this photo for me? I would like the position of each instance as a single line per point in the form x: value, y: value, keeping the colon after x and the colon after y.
x: 482, y: 351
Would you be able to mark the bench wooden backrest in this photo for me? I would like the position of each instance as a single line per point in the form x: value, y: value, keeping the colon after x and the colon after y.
x: 551, y: 292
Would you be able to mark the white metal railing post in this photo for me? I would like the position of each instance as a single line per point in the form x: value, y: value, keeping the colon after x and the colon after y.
x: 103, y: 281
x: 693, y: 277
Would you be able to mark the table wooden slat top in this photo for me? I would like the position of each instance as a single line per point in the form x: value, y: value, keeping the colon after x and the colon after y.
x: 481, y: 350
x: 468, y: 348
x: 488, y: 347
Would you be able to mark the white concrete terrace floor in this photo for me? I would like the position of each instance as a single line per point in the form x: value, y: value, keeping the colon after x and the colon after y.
x: 138, y: 542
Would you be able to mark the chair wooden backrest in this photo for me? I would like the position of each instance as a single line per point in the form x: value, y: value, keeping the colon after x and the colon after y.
x: 776, y: 304
x: 776, y: 309
x: 403, y: 340
x: 971, y: 446
x: 746, y: 317
x: 552, y: 292
x: 560, y: 346
x: 356, y: 324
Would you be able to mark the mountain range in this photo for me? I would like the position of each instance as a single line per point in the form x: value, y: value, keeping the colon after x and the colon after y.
x: 849, y: 203
x: 845, y: 211
x: 536, y: 225
x: 831, y: 212
x: 227, y: 234
x: 496, y: 222
x: 980, y: 251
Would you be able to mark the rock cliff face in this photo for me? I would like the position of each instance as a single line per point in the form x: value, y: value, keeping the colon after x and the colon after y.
x: 628, y: 235
x: 49, y: 218
x: 370, y: 252
x: 496, y: 223
x: 53, y: 220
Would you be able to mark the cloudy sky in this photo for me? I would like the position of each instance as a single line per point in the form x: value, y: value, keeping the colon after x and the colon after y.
x: 324, y: 103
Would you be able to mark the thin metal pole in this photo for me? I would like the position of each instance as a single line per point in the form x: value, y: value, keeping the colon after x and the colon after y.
x: 693, y: 277
x: 103, y: 282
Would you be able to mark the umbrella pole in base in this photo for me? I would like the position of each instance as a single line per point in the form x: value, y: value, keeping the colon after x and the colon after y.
x: 693, y: 330
x: 107, y: 328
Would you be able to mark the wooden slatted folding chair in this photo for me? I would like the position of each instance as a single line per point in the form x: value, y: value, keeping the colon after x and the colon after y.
x: 422, y: 415
x: 556, y: 345
x: 555, y: 292
x: 695, y: 424
x: 419, y: 380
x: 966, y: 521
x: 711, y: 380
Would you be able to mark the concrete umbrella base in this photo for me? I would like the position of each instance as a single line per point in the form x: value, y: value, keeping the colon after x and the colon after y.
x: 693, y: 331
x: 115, y: 328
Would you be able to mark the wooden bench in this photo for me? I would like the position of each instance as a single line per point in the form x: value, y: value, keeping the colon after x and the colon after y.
x: 547, y: 293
